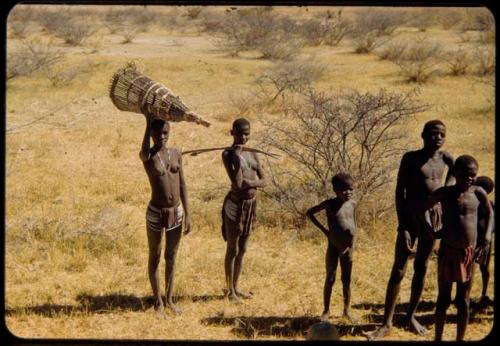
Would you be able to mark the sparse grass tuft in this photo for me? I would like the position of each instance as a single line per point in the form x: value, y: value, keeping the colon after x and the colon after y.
x: 392, y: 51
x: 485, y: 60
x: 329, y: 29
x: 31, y: 57
x: 459, y: 62
x: 419, y: 62
x: 194, y: 12
x: 75, y: 33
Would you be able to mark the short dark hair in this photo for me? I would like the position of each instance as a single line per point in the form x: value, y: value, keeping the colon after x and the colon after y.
x: 463, y: 161
x: 159, y: 123
x: 486, y: 183
x: 340, y: 180
x: 240, y: 122
x: 431, y: 124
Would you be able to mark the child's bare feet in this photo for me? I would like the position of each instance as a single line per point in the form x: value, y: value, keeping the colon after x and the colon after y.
x: 347, y: 315
x: 174, y: 308
x: 325, y: 316
x: 160, y: 311
x: 234, y: 298
x: 379, y: 333
x: 245, y: 295
x: 416, y: 327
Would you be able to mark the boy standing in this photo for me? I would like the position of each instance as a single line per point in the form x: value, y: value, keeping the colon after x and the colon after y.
x: 341, y: 233
x: 488, y: 185
x: 239, y: 206
x: 461, y: 203
x: 420, y: 173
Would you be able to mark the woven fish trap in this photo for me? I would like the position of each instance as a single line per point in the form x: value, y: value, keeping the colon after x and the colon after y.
x: 132, y: 91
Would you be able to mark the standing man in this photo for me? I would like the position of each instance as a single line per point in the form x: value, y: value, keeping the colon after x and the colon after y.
x: 164, y: 214
x: 239, y: 207
x: 420, y: 174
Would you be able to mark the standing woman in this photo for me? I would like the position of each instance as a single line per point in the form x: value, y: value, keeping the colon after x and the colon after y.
x: 164, y: 214
x: 239, y: 206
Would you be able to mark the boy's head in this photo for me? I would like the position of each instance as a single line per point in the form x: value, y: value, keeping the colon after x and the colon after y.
x: 160, y: 129
x: 343, y: 185
x: 240, y: 131
x: 434, y: 134
x: 465, y: 170
x: 486, y: 183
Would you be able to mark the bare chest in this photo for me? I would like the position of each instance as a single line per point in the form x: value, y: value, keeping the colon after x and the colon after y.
x: 163, y: 163
x: 433, y: 169
x: 248, y: 162
x: 467, y: 204
x: 343, y: 215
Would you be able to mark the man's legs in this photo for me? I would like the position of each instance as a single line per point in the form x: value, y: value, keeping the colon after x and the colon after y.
x: 154, y: 245
x: 242, y: 247
x: 442, y: 304
x: 424, y: 249
x: 398, y: 272
x: 173, y: 239
x: 331, y: 261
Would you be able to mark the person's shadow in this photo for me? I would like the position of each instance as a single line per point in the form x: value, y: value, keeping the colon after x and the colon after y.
x: 99, y: 304
x: 376, y: 313
x: 252, y: 327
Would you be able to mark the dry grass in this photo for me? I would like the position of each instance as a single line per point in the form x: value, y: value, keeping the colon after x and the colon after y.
x: 76, y: 252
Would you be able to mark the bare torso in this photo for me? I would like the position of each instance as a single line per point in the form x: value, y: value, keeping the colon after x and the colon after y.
x: 460, y: 216
x: 162, y: 169
x: 249, y: 166
x: 341, y: 222
x: 423, y: 175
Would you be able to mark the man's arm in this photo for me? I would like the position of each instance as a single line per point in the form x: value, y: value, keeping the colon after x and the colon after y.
x: 233, y: 166
x: 311, y: 215
x: 401, y: 187
x: 434, y: 198
x: 449, y: 161
x: 144, y: 153
x: 256, y: 183
x: 488, y: 210
x: 184, y: 197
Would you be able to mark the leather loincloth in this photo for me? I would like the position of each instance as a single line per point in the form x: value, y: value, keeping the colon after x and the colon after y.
x: 158, y: 219
x: 241, y: 214
x: 455, y: 264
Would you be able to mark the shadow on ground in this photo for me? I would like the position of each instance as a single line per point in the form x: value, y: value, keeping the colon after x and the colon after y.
x: 422, y: 306
x: 253, y: 327
x: 476, y: 307
x: 102, y: 304
x: 427, y: 320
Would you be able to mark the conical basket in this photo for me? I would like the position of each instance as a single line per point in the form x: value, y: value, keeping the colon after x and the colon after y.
x: 130, y: 91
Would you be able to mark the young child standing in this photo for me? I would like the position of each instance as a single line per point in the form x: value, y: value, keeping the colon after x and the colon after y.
x: 457, y: 252
x: 341, y: 233
x: 484, y: 263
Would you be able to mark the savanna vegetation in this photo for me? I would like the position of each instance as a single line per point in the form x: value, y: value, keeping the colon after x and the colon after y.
x: 76, y: 191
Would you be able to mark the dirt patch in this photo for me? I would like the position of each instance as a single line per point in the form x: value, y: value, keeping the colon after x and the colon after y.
x: 157, y: 44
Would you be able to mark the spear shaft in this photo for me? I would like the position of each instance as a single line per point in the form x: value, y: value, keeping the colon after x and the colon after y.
x: 199, y: 151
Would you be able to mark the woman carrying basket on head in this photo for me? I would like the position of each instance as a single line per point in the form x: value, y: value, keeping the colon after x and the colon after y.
x: 132, y: 91
x: 164, y: 214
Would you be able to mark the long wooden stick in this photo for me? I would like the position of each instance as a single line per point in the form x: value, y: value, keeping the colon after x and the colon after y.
x: 199, y: 151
